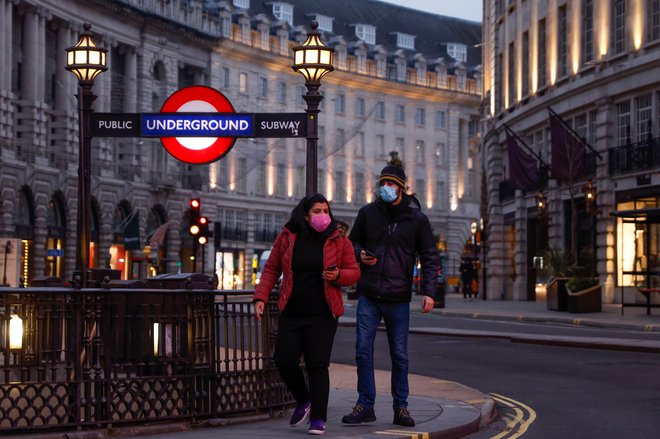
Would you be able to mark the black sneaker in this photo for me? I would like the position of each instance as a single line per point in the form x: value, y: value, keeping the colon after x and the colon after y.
x: 402, y: 417
x: 359, y: 415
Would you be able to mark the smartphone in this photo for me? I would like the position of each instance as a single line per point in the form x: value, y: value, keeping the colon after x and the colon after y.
x: 368, y: 253
x: 331, y: 268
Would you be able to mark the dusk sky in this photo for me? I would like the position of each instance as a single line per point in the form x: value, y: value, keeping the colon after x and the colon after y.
x: 466, y: 9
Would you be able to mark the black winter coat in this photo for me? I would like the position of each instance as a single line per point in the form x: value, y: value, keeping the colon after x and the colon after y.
x: 396, y: 244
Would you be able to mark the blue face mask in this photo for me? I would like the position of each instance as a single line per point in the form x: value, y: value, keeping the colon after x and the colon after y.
x: 388, y: 194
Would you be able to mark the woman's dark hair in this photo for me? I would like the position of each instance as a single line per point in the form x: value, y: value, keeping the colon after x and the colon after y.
x: 297, y: 222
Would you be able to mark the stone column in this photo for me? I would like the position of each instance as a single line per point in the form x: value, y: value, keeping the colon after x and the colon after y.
x: 63, y: 91
x: 5, y: 35
x: 520, y: 283
x: 495, y: 232
x: 30, y: 65
x: 130, y: 81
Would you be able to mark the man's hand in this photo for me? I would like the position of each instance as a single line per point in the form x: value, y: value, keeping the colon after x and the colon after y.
x: 367, y: 260
x: 427, y: 304
x: 259, y: 309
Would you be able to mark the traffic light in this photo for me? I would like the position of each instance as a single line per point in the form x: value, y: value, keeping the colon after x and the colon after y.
x: 195, y: 208
x: 203, y: 230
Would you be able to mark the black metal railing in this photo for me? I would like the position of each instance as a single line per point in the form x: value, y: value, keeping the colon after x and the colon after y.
x: 95, y: 357
x: 635, y: 157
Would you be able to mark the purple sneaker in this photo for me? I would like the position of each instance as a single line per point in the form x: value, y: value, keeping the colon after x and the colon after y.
x: 300, y: 414
x: 316, y: 426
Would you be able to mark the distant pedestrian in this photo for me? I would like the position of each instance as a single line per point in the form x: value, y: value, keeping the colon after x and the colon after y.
x: 315, y: 261
x: 467, y: 277
x: 388, y: 235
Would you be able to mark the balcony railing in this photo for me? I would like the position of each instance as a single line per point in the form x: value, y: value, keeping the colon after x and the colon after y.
x: 635, y: 157
x: 98, y: 357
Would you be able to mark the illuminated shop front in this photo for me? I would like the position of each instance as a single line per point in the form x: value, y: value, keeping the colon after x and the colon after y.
x: 125, y: 239
x: 229, y: 267
x: 24, y: 231
x: 56, y: 234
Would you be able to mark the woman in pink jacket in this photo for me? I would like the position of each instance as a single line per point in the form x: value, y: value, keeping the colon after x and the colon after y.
x: 315, y: 261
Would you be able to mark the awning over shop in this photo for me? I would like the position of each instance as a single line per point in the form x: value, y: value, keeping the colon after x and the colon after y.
x: 157, y: 237
x: 650, y: 215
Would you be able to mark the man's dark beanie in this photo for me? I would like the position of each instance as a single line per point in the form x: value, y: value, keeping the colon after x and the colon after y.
x: 395, y: 174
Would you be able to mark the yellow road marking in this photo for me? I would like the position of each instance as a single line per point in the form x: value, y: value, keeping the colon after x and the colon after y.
x: 524, y: 424
x: 649, y: 327
x: 577, y: 322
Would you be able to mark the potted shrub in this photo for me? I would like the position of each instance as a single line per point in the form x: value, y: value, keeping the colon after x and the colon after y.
x: 584, y: 292
x: 559, y: 267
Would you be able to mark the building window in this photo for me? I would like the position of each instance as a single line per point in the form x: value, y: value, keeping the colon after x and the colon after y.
x: 619, y: 25
x: 380, y: 110
x: 623, y: 123
x: 419, y: 152
x: 359, y: 188
x: 281, y: 180
x: 420, y: 117
x: 588, y: 31
x: 300, y: 182
x: 225, y: 77
x: 261, y: 178
x: 263, y: 87
x: 380, y: 146
x: 405, y: 41
x: 359, y: 107
x: 340, y: 187
x: 242, y: 82
x: 341, y: 139
x: 439, y: 156
x: 245, y: 4
x: 654, y: 19
x: 283, y: 11
x: 400, y: 116
x: 245, y: 32
x: 265, y: 39
x: 226, y: 27
x: 525, y: 64
x: 563, y: 42
x: 419, y: 190
x: 457, y: 51
x: 282, y: 92
x: 366, y: 33
x: 643, y: 117
x: 543, y: 56
x: 580, y: 125
x: 359, y: 147
x: 340, y: 103
x: 284, y: 44
x: 325, y: 22
x: 241, y: 176
x: 440, y: 119
x: 401, y: 147
x: 440, y: 197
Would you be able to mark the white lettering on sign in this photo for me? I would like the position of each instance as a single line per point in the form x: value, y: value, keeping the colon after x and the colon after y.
x: 116, y: 124
x: 196, y: 125
x: 281, y: 125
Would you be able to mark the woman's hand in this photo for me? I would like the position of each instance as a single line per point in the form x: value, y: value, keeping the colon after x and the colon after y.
x: 259, y: 309
x: 367, y: 260
x: 331, y: 275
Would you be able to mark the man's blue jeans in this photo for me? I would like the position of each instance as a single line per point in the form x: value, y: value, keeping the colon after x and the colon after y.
x: 397, y: 318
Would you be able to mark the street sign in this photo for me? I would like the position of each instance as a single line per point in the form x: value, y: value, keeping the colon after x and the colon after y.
x: 197, y: 150
x: 198, y: 125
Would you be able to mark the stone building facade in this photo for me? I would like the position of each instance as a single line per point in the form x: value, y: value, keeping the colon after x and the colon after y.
x: 595, y: 63
x: 411, y: 85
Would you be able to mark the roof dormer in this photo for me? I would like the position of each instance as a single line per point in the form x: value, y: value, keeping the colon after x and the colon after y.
x: 243, y: 4
x: 405, y: 41
x: 283, y: 11
x: 366, y: 33
x: 325, y: 22
x: 457, y: 51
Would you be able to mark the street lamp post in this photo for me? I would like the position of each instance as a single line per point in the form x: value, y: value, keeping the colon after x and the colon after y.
x: 313, y: 60
x: 86, y: 61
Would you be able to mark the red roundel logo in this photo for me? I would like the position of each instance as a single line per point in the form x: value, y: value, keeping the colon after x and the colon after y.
x: 197, y: 150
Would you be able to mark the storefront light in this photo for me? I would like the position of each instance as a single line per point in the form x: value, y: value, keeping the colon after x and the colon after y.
x: 15, y: 332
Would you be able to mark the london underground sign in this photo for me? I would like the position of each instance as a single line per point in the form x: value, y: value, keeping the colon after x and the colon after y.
x: 198, y: 125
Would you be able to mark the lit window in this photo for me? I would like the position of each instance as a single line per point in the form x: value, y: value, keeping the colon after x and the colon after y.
x: 325, y: 22
x: 457, y: 51
x: 242, y: 82
x: 366, y: 33
x: 283, y: 11
x: 405, y: 41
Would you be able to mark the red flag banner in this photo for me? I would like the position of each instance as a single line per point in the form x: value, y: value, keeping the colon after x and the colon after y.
x: 523, y: 169
x: 568, y: 151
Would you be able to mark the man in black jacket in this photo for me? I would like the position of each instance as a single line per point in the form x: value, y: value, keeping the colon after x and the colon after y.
x: 388, y: 235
